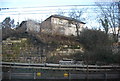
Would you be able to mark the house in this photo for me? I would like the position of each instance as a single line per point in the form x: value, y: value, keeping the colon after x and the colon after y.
x: 33, y: 26
x: 61, y: 25
x: 29, y: 25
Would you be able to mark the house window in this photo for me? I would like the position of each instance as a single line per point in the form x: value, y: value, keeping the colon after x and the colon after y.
x: 69, y: 25
x: 60, y: 21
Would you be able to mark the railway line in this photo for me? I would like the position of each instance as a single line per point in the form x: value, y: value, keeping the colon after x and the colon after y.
x: 58, y: 71
x: 61, y: 66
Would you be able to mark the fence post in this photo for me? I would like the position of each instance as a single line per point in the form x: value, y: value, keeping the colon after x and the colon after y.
x: 34, y: 75
x: 105, y: 75
x: 69, y: 76
x: 9, y: 75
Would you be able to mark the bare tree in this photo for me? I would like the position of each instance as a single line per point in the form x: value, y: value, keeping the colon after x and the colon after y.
x: 76, y: 14
x: 105, y: 25
x: 119, y: 18
x: 109, y: 11
x: 60, y: 12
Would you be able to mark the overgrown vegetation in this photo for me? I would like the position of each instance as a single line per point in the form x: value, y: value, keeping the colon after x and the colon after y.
x: 97, y: 48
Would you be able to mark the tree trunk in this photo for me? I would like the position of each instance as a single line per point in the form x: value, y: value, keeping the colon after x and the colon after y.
x: 77, y: 29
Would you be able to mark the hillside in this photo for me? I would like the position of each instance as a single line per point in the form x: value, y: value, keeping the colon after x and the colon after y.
x: 37, y: 47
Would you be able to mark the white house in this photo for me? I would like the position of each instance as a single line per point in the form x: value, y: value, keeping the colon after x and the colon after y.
x: 61, y: 25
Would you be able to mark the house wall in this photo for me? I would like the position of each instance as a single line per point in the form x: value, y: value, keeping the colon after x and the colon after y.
x: 59, y: 25
x: 46, y: 26
x: 33, y: 26
x: 65, y: 27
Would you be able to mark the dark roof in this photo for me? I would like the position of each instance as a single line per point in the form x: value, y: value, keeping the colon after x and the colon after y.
x: 67, y: 18
x: 23, y: 22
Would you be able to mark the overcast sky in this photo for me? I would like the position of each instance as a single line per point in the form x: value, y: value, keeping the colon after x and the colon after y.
x: 41, y: 9
x: 26, y: 3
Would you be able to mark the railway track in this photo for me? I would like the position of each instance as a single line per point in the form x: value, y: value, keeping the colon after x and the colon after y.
x: 61, y: 67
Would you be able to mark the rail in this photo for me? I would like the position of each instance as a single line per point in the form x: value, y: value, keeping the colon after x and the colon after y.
x: 61, y: 67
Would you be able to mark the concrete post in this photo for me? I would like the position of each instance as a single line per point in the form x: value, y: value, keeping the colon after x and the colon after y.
x: 9, y: 75
x: 34, y: 75
x: 105, y: 75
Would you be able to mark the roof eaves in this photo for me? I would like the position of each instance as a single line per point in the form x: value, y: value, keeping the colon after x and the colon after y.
x: 67, y: 18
